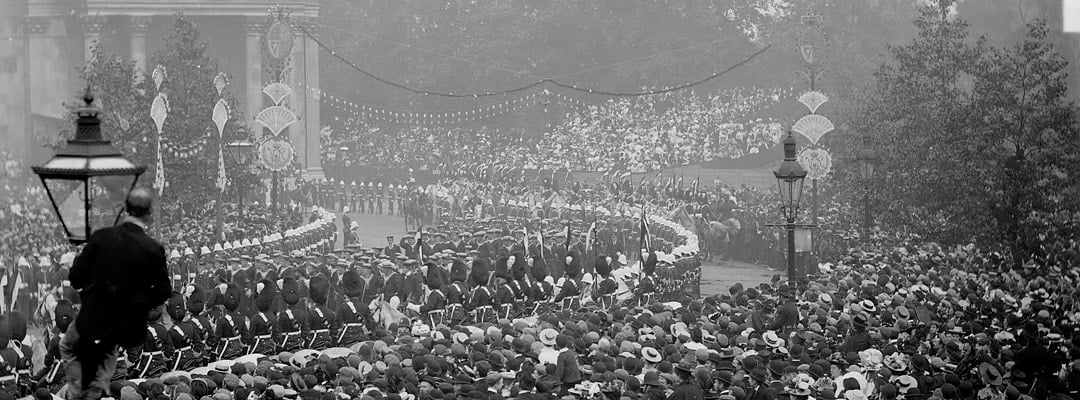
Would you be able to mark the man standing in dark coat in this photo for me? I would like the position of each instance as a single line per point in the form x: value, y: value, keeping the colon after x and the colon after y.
x: 121, y: 275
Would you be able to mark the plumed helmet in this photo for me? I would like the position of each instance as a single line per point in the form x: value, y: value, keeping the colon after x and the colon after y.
x: 319, y: 288
x: 502, y: 265
x: 63, y: 314
x: 539, y: 269
x: 649, y: 267
x: 265, y: 290
x: 573, y: 269
x: 434, y: 276
x: 5, y: 328
x: 350, y: 283
x: 18, y: 326
x: 601, y: 265
x: 196, y: 299
x: 290, y: 291
x: 519, y: 269
x: 231, y: 298
x: 480, y: 271
x: 458, y: 271
x: 176, y: 307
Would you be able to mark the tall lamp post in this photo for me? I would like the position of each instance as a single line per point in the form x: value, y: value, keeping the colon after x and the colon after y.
x: 790, y: 177
x: 88, y: 180
x: 867, y: 159
x: 240, y: 150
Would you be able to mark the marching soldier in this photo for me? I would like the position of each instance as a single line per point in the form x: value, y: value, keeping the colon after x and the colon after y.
x: 541, y: 291
x: 646, y: 286
x: 53, y: 375
x: 480, y: 301
x: 25, y: 364
x: 504, y: 295
x: 434, y: 307
x: 155, y: 354
x: 200, y: 319
x: 413, y: 284
x: 232, y: 326
x: 605, y: 292
x: 292, y: 323
x: 569, y: 297
x: 455, y: 293
x: 320, y: 316
x: 182, y: 335
x: 353, y: 314
x: 370, y: 196
x: 378, y: 195
x: 9, y: 359
x: 262, y: 330
x: 391, y: 198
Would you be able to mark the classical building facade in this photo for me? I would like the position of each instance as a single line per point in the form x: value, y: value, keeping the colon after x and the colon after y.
x: 44, y: 44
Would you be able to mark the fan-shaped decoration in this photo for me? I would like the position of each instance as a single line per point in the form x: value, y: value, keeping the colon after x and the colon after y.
x: 813, y: 127
x: 817, y: 161
x: 159, y: 76
x: 275, y: 154
x: 221, y: 115
x: 220, y: 81
x: 277, y: 91
x: 276, y: 118
x: 813, y: 100
x: 159, y: 110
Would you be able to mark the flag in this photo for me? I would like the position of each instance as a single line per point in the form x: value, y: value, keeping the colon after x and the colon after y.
x: 646, y: 242
x: 159, y: 171
x: 525, y: 242
x: 567, y: 246
x: 695, y: 184
x: 589, y: 236
x: 16, y: 287
x: 221, y: 180
x: 540, y: 238
x: 419, y: 246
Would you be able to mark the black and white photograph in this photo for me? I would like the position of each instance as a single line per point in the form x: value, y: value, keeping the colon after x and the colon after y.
x: 540, y: 200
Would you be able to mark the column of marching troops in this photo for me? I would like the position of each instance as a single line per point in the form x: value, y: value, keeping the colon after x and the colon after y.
x: 359, y: 197
x: 266, y: 299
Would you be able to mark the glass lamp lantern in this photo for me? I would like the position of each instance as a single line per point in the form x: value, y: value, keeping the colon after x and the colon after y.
x: 790, y: 178
x: 87, y: 180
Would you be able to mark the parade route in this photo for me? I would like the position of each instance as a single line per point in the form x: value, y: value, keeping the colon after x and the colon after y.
x: 716, y: 276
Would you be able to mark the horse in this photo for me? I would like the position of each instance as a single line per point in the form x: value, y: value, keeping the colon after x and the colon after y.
x: 718, y: 235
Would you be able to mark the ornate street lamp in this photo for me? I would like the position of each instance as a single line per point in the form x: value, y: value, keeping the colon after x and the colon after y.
x: 341, y: 162
x: 790, y: 177
x: 88, y: 180
x: 868, y: 160
x: 240, y: 151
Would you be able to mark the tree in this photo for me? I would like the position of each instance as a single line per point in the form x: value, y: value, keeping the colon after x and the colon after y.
x: 1031, y: 137
x: 931, y: 181
x: 191, y: 166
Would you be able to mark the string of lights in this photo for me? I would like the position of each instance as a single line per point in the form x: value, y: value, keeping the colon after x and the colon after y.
x: 526, y: 87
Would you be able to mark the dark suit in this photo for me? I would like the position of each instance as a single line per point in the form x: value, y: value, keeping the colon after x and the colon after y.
x: 121, y: 275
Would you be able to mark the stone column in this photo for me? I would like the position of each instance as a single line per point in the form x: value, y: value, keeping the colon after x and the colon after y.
x: 139, y: 26
x: 312, y: 97
x: 253, y: 79
x: 296, y: 99
x: 92, y: 27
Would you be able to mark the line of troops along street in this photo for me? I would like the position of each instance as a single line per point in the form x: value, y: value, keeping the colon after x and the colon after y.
x: 247, y: 301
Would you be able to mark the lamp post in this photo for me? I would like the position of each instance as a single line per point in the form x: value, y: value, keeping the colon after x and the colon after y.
x: 88, y: 180
x: 868, y: 159
x: 240, y: 150
x: 790, y: 177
